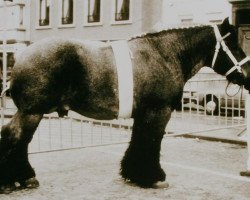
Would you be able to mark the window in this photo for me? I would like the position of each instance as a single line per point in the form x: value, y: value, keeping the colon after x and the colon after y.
x: 21, y: 14
x: 67, y: 12
x: 122, y: 10
x: 94, y: 11
x: 215, y: 17
x: 243, y: 16
x: 10, y: 64
x: 187, y: 22
x: 215, y: 21
x: 44, y: 12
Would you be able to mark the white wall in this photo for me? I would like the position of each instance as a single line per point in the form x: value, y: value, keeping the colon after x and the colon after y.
x: 200, y: 11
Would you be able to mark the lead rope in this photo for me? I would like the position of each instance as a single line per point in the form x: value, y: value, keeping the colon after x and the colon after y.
x: 239, y: 90
x: 226, y: 90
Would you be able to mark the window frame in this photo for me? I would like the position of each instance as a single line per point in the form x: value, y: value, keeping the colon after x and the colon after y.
x: 186, y: 19
x: 214, y: 17
x: 21, y: 16
x: 189, y: 21
x: 38, y: 26
x: 60, y: 24
x: 85, y: 21
x: 113, y: 10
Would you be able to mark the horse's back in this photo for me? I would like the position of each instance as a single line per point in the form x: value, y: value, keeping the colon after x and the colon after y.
x: 50, y: 47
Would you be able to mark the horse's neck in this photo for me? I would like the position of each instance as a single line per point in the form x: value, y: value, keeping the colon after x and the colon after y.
x: 190, y: 48
x: 201, y: 48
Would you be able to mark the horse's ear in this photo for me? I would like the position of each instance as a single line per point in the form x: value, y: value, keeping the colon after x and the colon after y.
x: 225, y: 23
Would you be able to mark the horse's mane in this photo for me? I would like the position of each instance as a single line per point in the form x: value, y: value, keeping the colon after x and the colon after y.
x: 168, y: 29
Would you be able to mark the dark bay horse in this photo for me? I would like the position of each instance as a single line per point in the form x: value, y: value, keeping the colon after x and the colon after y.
x: 58, y: 75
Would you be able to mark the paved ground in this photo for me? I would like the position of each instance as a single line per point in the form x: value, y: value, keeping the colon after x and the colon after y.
x: 196, y: 170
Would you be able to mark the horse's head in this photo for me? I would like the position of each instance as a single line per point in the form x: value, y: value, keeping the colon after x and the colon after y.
x: 229, y: 59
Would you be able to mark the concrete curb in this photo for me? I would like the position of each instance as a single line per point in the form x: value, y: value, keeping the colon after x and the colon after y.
x: 216, y: 139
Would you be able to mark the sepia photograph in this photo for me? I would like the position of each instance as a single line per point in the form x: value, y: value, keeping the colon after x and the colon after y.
x: 124, y: 99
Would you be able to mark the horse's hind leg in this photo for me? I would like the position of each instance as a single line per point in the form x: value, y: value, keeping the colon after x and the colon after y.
x: 14, y: 163
x: 141, y: 162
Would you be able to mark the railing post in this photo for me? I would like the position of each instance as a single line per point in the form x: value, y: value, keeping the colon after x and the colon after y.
x: 247, y: 172
x: 248, y: 132
x: 4, y: 47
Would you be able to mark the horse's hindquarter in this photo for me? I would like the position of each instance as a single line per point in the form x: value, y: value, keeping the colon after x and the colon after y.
x: 53, y: 74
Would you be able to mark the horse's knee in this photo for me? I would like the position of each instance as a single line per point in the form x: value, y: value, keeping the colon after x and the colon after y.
x: 10, y: 135
x: 11, y: 132
x: 20, y: 128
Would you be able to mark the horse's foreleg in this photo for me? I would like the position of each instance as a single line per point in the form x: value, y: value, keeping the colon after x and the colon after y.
x: 141, y: 162
x: 14, y: 163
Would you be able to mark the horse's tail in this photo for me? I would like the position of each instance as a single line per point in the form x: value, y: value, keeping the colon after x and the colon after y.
x: 5, y: 89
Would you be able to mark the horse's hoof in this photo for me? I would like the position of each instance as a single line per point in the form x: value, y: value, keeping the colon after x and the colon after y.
x: 30, y: 183
x: 7, y: 189
x: 245, y: 173
x: 160, y: 185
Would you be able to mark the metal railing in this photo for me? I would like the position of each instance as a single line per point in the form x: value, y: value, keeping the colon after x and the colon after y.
x: 195, y: 114
x: 206, y: 106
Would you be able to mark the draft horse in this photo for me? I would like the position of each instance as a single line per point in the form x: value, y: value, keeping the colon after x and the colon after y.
x: 59, y: 74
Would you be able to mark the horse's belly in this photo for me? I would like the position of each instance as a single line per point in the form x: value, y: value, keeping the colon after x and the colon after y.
x: 100, y: 112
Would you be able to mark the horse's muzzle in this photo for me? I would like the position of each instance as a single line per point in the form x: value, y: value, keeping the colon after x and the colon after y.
x: 246, y: 70
x: 247, y: 84
x: 246, y: 73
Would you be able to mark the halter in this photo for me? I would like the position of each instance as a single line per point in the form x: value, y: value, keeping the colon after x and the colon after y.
x: 221, y: 43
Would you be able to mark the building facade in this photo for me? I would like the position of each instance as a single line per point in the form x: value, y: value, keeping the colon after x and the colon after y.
x: 23, y: 22
x: 85, y: 19
x: 14, y: 29
x: 241, y: 19
x: 188, y: 12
